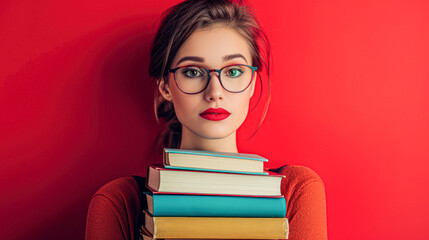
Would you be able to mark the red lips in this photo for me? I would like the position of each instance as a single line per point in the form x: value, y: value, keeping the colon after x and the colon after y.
x: 215, y: 114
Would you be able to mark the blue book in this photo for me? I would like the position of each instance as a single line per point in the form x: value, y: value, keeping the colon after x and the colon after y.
x: 172, y: 205
x: 198, y: 160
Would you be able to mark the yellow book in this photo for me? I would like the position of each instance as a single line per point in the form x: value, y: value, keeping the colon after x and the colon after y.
x: 216, y: 227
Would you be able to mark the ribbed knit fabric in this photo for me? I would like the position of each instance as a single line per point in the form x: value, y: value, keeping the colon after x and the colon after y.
x: 114, y: 209
x: 306, y: 203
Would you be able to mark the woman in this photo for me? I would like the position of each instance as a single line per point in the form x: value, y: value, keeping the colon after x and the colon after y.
x: 205, y: 59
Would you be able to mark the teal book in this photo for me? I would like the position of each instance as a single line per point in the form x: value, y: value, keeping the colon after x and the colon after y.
x: 198, y: 160
x: 172, y: 205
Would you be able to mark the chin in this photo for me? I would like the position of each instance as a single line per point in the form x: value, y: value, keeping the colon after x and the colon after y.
x: 213, y: 132
x: 215, y: 136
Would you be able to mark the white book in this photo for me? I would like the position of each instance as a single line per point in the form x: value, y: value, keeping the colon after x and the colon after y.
x: 197, y: 182
x: 213, y: 161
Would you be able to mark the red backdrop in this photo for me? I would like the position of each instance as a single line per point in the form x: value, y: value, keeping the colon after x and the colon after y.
x: 350, y: 99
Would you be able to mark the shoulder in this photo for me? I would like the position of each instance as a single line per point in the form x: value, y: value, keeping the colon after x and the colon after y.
x: 114, y: 209
x: 119, y: 191
x: 117, y: 188
x: 304, y: 192
x: 300, y: 174
x: 301, y: 181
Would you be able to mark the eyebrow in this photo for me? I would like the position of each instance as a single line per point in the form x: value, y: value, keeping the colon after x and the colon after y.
x: 237, y: 55
x: 190, y: 58
x: 200, y: 59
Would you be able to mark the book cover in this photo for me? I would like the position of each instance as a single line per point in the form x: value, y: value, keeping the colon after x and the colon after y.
x: 218, y: 154
x: 165, y: 180
x: 214, y: 161
x: 217, y: 227
x: 215, y: 170
x: 173, y: 205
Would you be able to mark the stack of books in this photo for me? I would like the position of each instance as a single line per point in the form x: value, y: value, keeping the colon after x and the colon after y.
x: 213, y: 195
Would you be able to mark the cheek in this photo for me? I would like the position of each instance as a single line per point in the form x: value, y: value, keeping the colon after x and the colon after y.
x: 242, y: 105
x: 184, y: 105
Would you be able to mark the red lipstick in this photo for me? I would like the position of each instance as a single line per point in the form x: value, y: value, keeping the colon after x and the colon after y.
x: 215, y: 114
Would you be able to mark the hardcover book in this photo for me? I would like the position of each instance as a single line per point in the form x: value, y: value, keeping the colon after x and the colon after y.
x: 216, y: 227
x: 213, y: 161
x: 172, y: 205
x: 165, y: 180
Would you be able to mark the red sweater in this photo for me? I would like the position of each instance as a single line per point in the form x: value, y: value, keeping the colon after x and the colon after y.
x: 114, y: 209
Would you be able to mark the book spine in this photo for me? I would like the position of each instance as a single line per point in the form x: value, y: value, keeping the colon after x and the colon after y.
x: 221, y: 228
x: 218, y: 206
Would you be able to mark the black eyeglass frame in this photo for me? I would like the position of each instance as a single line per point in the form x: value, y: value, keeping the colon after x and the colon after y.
x: 219, y: 71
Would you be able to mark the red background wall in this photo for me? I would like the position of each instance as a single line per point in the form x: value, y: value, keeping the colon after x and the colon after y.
x: 349, y: 99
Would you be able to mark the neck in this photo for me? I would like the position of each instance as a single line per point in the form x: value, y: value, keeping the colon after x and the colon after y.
x: 193, y: 141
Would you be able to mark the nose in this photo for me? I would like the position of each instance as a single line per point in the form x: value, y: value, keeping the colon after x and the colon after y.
x: 214, y: 90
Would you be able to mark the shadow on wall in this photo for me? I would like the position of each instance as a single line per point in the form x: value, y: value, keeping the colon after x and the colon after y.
x: 87, y: 117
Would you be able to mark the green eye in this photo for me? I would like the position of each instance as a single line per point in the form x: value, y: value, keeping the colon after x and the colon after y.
x: 234, y: 72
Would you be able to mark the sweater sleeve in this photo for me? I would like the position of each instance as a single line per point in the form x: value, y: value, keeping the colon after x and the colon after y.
x: 113, y: 211
x: 306, y: 203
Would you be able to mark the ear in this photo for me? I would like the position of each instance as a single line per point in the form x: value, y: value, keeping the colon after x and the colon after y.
x: 165, y: 90
x: 252, y: 85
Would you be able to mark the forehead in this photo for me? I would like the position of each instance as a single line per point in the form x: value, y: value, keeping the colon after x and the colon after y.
x: 213, y: 44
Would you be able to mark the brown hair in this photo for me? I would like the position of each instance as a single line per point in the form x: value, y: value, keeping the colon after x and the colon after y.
x: 177, y: 24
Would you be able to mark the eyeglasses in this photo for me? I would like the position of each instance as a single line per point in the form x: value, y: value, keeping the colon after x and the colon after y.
x: 194, y: 79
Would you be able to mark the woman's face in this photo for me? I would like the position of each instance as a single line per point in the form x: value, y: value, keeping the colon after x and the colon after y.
x: 210, y: 48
